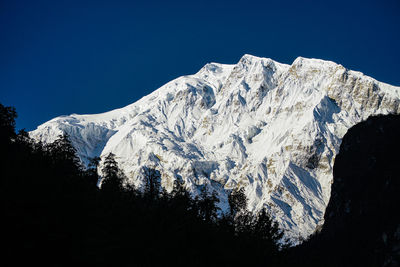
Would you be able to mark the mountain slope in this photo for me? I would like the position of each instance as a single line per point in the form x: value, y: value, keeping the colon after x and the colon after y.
x: 269, y: 127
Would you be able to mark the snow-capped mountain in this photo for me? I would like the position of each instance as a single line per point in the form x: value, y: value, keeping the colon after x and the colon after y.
x: 271, y: 128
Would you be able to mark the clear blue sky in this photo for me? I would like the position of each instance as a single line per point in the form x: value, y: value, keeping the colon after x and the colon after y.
x: 62, y: 57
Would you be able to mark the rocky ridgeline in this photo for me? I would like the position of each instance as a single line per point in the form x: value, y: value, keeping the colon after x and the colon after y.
x: 271, y: 128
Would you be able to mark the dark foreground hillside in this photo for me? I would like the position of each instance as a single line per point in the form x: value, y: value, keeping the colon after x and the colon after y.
x: 55, y: 215
x: 362, y: 220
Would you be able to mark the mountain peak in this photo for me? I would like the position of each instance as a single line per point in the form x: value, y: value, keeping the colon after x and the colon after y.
x: 251, y: 58
x: 271, y: 128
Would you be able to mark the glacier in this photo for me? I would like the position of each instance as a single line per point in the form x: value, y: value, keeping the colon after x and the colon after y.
x: 272, y: 128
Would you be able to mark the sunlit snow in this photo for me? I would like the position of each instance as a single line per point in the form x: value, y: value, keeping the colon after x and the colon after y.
x: 271, y: 128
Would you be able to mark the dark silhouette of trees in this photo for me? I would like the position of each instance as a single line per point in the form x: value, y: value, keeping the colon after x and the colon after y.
x: 207, y: 205
x: 112, y: 176
x: 63, y: 156
x: 152, y: 179
x: 7, y: 124
x: 180, y: 197
x: 269, y: 235
x: 237, y: 201
x: 56, y: 215
x: 92, y: 171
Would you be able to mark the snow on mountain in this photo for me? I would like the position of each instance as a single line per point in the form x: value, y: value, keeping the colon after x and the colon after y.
x: 271, y: 128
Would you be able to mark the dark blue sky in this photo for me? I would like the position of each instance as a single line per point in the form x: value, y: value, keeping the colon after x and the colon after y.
x: 63, y: 57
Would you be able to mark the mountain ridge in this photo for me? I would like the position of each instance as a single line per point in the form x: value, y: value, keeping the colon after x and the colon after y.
x: 271, y: 128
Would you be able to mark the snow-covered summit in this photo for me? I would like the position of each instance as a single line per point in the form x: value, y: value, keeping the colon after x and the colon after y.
x: 271, y: 128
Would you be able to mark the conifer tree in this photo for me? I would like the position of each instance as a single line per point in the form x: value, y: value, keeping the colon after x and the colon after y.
x: 7, y: 121
x: 207, y: 205
x: 153, y: 180
x: 265, y: 228
x: 64, y: 154
x: 91, y: 171
x: 111, y: 181
x: 181, y: 197
x: 237, y: 201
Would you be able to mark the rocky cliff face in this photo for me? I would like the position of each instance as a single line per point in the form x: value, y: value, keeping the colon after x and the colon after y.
x: 271, y: 128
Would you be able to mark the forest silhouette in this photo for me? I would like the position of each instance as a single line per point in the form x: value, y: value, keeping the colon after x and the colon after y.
x: 58, y: 213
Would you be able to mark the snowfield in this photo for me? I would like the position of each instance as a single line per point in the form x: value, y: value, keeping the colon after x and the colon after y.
x: 271, y: 128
